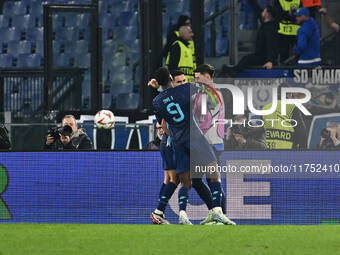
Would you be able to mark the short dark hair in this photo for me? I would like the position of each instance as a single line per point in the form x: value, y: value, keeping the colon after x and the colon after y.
x: 162, y: 76
x: 205, y: 69
x: 175, y: 73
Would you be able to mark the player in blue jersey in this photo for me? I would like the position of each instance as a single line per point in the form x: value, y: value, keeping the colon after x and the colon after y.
x: 170, y: 182
x: 173, y: 107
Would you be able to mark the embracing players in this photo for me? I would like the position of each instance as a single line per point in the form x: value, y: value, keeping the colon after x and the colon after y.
x: 172, y: 106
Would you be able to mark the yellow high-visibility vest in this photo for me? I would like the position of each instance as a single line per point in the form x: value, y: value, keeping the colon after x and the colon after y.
x: 278, y: 136
x: 186, y: 63
x: 286, y: 27
x: 191, y: 46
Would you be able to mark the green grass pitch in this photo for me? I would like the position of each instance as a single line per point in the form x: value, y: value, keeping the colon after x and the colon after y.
x: 92, y: 239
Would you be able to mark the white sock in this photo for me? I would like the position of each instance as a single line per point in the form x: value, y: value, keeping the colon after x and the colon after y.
x: 183, y: 213
x: 217, y: 210
x: 158, y: 211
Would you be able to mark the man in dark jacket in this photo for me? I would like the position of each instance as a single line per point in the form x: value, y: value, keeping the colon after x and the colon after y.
x: 266, y: 50
x: 76, y: 140
x: 308, y: 47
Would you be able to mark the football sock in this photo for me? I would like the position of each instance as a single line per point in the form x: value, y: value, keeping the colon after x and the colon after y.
x: 161, y: 191
x: 203, y: 191
x: 183, y: 198
x: 167, y: 192
x: 216, y: 191
x: 223, y: 203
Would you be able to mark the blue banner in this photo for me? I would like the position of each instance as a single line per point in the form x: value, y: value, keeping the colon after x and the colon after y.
x: 123, y: 187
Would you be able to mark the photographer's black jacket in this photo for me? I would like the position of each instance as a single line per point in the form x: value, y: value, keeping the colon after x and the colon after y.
x: 79, y: 141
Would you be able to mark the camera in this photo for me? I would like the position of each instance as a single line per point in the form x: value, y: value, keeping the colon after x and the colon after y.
x: 55, y: 131
x: 239, y: 129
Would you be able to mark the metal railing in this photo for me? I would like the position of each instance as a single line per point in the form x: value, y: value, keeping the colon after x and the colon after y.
x: 23, y: 91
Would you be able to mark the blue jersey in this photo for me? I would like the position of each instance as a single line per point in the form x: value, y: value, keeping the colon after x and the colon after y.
x: 173, y: 105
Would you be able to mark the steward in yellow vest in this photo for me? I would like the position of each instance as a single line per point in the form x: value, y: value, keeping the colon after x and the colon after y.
x: 280, y: 131
x: 180, y: 55
x: 287, y: 25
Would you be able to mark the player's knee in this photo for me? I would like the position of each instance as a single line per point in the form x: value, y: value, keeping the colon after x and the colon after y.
x: 186, y: 182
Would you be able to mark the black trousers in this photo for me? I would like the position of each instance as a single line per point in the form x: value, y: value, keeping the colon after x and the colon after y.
x: 286, y: 45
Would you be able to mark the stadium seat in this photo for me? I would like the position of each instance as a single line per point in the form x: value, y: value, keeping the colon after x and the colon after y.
x: 9, y: 8
x: 62, y: 60
x: 37, y: 47
x: 128, y: 19
x: 81, y: 47
x: 83, y: 60
x: 83, y: 20
x: 35, y: 34
x: 5, y: 60
x: 127, y: 33
x: 66, y: 33
x: 36, y: 9
x: 108, y: 21
x: 30, y: 60
x: 83, y: 34
x: 128, y: 101
x: 19, y: 47
x: 10, y: 34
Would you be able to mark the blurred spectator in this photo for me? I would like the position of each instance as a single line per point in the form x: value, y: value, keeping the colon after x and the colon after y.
x: 331, y: 24
x: 285, y: 136
x: 308, y: 47
x: 243, y: 137
x: 288, y: 28
x: 312, y: 5
x: 155, y: 144
x: 68, y: 136
x: 173, y: 36
x: 330, y: 136
x: 5, y: 143
x: 266, y: 50
x: 180, y: 56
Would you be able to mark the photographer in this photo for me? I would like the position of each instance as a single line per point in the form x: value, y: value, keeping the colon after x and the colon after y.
x: 330, y: 136
x: 68, y: 136
x: 240, y: 136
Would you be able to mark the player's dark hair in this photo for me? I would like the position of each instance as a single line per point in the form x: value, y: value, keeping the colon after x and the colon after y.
x: 175, y: 73
x: 205, y: 69
x: 162, y: 76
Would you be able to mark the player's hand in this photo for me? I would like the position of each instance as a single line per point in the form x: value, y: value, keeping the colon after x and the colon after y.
x: 64, y: 139
x: 49, y: 140
x: 153, y: 83
x: 268, y: 65
x: 323, y: 11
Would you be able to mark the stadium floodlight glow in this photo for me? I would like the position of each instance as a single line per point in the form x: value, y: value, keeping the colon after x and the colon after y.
x: 239, y: 100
